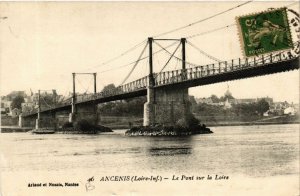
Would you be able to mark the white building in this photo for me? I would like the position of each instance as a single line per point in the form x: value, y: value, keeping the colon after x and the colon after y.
x: 227, y: 104
x: 289, y: 111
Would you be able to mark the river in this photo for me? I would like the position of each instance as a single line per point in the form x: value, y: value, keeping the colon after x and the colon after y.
x: 249, y: 155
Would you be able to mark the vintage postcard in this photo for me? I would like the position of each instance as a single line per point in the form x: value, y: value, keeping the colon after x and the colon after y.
x: 149, y: 98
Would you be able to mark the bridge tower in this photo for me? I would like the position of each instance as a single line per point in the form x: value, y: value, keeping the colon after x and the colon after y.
x: 38, y: 120
x: 86, y: 111
x: 149, y: 106
x: 47, y: 119
x: 165, y: 106
x: 72, y: 114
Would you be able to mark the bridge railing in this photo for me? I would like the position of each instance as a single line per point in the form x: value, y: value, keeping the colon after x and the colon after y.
x: 126, y: 88
x: 135, y: 85
x: 176, y: 76
x: 46, y: 108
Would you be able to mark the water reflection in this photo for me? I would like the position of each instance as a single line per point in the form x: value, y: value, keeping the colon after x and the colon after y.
x: 169, y: 151
x: 169, y: 146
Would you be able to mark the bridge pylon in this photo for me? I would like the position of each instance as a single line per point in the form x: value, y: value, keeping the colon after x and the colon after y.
x: 86, y: 111
x: 166, y: 106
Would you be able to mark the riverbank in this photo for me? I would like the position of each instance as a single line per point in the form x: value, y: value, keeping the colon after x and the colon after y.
x: 115, y: 122
x: 250, y: 124
x: 14, y: 129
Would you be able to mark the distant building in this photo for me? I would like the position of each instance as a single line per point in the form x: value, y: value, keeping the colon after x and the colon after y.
x: 275, y: 108
x: 283, y: 108
x: 3, y: 109
x: 289, y: 111
x: 228, y: 93
x: 204, y: 100
x: 245, y: 101
x: 279, y: 105
x: 5, y: 106
x: 267, y: 113
x: 227, y: 104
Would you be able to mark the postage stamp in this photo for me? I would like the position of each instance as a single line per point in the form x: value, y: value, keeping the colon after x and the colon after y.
x: 264, y: 32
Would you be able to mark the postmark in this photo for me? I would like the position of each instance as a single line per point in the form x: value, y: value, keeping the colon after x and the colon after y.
x: 264, y: 32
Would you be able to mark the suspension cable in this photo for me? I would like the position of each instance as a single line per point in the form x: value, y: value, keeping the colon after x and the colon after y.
x: 46, y: 102
x: 193, y: 64
x: 79, y: 82
x: 210, y: 31
x: 202, y: 20
x: 91, y: 79
x: 169, y: 58
x: 125, y: 65
x: 204, y: 53
x: 134, y: 66
x: 119, y: 56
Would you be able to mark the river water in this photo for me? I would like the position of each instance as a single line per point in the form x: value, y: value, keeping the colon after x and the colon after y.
x: 264, y: 154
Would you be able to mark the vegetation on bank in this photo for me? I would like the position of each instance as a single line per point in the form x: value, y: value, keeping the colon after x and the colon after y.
x: 17, y: 102
x: 83, y: 126
x: 184, y: 126
x: 120, y: 113
x: 129, y: 107
x: 160, y: 130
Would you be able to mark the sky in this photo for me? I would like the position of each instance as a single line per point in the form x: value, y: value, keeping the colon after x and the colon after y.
x: 42, y: 43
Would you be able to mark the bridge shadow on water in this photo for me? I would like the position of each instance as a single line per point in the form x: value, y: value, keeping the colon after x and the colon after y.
x: 169, y: 146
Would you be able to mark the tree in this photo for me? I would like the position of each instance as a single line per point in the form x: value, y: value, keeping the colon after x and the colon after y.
x: 133, y: 107
x: 215, y: 99
x: 17, y: 102
x: 108, y: 87
x: 262, y: 106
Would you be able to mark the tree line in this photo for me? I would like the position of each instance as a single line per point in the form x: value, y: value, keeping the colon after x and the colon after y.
x: 135, y: 106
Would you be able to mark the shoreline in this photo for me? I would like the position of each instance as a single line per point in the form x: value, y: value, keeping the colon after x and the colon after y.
x: 15, y: 129
x: 222, y: 124
x: 250, y: 124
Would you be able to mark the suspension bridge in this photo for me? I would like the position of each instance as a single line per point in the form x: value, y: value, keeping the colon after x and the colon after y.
x: 167, y: 91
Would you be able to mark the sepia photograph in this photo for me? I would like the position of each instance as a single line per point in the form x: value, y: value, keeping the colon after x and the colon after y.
x: 167, y: 98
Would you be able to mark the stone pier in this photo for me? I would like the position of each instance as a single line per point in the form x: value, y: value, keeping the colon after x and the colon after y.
x: 87, y: 111
x: 26, y: 121
x: 46, y: 120
x: 166, y: 106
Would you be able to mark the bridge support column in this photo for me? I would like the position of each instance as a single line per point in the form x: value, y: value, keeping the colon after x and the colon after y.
x: 37, y: 123
x: 71, y: 117
x: 86, y: 112
x: 72, y: 114
x: 21, y: 121
x: 26, y: 121
x: 47, y: 120
x: 149, y: 108
x: 169, y: 107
